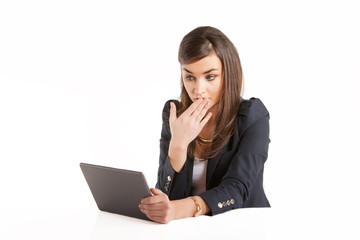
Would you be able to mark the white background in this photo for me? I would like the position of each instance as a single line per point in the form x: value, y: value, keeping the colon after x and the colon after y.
x: 85, y: 81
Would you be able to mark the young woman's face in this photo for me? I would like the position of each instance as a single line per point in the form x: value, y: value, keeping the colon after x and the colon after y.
x: 203, y: 79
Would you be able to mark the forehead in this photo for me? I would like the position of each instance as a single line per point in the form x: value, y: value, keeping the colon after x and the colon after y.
x: 210, y: 62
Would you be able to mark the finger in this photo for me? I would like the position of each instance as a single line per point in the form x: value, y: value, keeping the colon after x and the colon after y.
x: 161, y: 198
x: 199, y: 108
x: 203, y: 111
x: 157, y: 216
x: 172, y: 112
x: 154, y: 218
x: 160, y: 219
x: 205, y: 120
x: 151, y: 214
x: 152, y: 207
x: 192, y: 107
x: 156, y: 191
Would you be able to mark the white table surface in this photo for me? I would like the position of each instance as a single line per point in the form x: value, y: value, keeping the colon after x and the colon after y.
x: 90, y: 223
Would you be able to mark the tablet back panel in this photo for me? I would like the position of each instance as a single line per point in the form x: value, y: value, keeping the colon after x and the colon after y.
x: 116, y: 190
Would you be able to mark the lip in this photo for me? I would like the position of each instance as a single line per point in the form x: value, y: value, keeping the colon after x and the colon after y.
x: 204, y: 98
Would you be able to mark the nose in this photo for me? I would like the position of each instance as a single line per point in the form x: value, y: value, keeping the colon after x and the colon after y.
x: 199, y: 87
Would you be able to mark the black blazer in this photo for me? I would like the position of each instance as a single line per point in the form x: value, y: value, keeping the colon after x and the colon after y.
x: 234, y: 178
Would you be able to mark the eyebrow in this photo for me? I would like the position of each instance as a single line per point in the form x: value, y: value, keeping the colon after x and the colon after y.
x: 203, y: 72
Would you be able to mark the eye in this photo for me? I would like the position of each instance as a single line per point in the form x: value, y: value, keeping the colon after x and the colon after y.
x: 210, y: 77
x: 188, y: 77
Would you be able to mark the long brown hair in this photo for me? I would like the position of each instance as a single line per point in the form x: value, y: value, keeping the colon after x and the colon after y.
x: 200, y: 43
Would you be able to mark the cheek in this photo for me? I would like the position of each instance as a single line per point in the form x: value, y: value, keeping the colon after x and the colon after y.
x: 187, y: 87
x: 216, y: 89
x: 220, y: 86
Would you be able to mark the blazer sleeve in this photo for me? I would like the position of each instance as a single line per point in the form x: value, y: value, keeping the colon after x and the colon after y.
x: 168, y: 179
x: 247, y: 163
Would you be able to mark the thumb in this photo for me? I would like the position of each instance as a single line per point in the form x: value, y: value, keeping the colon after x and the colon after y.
x: 156, y: 191
x: 172, y: 112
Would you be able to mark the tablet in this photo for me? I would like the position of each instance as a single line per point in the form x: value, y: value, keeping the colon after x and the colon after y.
x: 116, y: 190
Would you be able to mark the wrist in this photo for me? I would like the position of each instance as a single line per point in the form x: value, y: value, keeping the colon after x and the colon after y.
x: 178, y: 145
x: 198, y: 210
x: 183, y: 208
x: 173, y: 207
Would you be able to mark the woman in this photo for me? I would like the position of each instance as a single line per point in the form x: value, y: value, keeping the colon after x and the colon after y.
x: 213, y: 143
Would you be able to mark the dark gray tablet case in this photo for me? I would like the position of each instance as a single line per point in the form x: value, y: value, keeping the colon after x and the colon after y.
x: 116, y: 190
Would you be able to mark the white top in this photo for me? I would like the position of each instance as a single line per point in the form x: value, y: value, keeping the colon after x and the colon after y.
x: 199, y: 176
